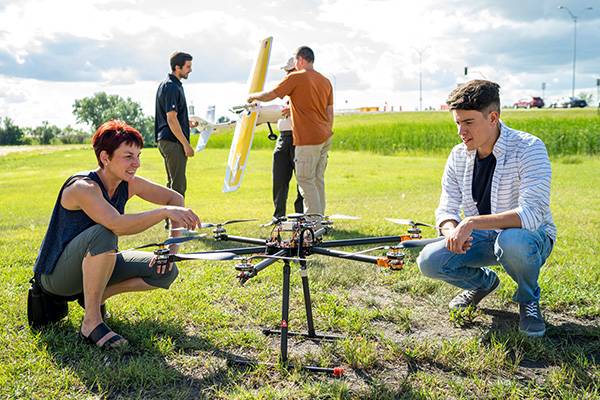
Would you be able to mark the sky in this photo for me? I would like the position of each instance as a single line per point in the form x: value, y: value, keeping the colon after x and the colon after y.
x: 54, y: 52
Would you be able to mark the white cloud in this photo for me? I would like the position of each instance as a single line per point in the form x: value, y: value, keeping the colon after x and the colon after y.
x: 367, y: 48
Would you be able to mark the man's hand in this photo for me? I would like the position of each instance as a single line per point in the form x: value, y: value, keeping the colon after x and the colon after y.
x: 189, y: 150
x: 285, y: 112
x: 251, y: 99
x: 459, y: 239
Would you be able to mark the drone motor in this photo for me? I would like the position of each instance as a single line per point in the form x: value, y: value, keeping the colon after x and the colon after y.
x: 244, y: 265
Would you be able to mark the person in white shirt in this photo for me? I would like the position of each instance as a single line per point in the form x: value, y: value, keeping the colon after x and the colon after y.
x: 283, y: 160
x: 499, y: 179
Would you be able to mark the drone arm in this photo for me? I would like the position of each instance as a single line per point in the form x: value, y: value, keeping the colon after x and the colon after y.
x: 268, y: 261
x: 346, y: 255
x: 241, y: 239
x: 238, y: 251
x: 361, y: 241
x: 244, y: 276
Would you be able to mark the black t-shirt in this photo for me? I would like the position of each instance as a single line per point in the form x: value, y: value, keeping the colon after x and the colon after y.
x: 170, y: 97
x: 483, y: 172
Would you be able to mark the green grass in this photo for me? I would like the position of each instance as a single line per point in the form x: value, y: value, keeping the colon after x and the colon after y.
x: 400, y: 341
x: 565, y: 132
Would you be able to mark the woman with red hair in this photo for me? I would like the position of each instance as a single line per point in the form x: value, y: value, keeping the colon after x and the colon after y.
x: 78, y: 257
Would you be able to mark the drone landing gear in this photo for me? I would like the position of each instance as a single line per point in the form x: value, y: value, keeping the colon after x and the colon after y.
x: 285, y: 333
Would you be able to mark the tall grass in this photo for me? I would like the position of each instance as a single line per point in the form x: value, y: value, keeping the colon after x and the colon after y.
x: 565, y: 132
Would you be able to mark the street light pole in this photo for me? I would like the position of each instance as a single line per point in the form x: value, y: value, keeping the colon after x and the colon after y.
x: 420, y: 52
x: 543, y: 90
x: 574, y: 17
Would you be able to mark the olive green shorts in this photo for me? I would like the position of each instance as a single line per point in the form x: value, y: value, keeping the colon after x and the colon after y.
x: 67, y: 277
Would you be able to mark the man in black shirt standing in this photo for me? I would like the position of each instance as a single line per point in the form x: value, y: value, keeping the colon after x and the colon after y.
x: 171, y: 122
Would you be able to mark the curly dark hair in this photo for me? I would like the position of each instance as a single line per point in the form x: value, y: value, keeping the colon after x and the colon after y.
x: 478, y: 94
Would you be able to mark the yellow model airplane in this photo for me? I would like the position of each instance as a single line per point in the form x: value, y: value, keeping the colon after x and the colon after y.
x: 249, y: 117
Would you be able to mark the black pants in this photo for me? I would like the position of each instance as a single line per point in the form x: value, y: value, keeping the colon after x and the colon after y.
x: 283, y: 167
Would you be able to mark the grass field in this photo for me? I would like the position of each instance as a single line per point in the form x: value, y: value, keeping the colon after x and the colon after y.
x: 565, y: 132
x: 400, y: 341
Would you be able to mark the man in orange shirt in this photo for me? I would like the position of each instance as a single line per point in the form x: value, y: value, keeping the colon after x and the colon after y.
x: 311, y: 104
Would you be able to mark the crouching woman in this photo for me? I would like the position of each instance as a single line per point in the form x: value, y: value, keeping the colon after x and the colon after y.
x: 79, y: 253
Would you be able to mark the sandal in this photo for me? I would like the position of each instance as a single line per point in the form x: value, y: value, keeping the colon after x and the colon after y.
x: 101, y: 330
x: 105, y: 314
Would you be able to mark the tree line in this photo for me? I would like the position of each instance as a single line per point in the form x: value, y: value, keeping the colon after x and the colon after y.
x: 92, y: 111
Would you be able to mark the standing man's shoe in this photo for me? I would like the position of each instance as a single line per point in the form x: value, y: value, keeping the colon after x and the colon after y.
x: 531, y: 320
x: 472, y: 297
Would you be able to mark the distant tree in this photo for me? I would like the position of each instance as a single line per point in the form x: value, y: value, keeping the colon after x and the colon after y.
x: 10, y: 134
x: 102, y: 107
x: 70, y: 135
x: 45, y: 133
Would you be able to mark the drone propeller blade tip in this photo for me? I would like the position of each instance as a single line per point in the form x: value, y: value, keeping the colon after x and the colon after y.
x: 216, y: 256
x: 400, y: 221
x: 343, y: 216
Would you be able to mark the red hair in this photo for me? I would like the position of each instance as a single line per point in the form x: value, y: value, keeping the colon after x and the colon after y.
x: 110, y: 135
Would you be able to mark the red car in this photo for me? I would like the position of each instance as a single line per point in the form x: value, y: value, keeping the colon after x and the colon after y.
x: 529, y: 102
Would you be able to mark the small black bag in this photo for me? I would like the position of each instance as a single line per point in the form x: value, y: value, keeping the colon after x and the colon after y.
x: 44, y: 308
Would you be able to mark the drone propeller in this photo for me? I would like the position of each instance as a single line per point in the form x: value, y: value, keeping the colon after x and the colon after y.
x: 333, y: 216
x: 407, y: 244
x: 368, y: 250
x: 216, y: 256
x: 341, y: 217
x: 169, y: 241
x: 418, y: 243
x: 184, y: 231
x: 410, y: 222
x: 232, y: 221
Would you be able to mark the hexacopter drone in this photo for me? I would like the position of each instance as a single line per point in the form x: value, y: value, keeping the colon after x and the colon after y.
x: 293, y: 239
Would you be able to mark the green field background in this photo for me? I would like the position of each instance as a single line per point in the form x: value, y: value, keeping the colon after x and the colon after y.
x: 181, y: 337
x: 565, y: 132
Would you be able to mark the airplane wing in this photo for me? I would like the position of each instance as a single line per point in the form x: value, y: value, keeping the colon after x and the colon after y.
x: 266, y: 114
x: 205, y: 129
x: 244, y: 129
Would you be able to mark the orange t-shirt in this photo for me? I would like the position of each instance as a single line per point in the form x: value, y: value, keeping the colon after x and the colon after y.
x: 310, y: 93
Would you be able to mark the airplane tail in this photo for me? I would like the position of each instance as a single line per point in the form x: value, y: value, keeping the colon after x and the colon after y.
x: 210, y: 114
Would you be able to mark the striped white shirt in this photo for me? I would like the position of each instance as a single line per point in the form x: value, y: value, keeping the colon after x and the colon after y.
x: 521, y: 181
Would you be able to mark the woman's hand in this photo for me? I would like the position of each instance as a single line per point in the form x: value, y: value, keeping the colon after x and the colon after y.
x: 183, y: 217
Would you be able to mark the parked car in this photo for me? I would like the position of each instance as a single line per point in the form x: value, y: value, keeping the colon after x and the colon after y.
x: 569, y: 102
x: 529, y: 102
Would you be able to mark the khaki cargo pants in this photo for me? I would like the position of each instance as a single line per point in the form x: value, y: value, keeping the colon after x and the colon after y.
x: 310, y: 163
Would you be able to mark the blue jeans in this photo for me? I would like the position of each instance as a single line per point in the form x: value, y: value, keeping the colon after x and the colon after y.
x: 520, y: 252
